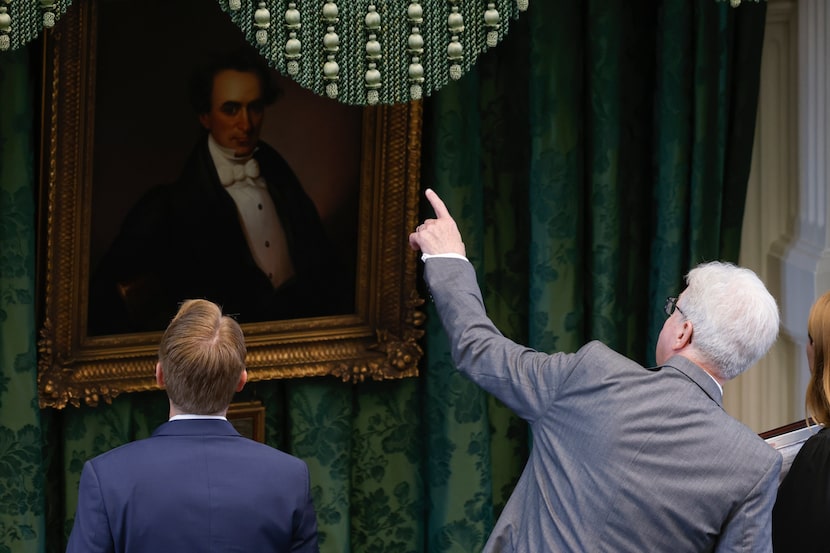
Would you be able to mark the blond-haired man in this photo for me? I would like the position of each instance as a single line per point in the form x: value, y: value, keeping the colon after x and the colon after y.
x: 196, y: 484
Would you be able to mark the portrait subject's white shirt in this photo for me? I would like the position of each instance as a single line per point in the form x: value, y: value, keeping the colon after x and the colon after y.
x: 262, y: 226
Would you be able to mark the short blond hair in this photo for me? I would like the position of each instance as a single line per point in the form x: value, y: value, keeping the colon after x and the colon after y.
x: 818, y: 387
x: 202, y: 356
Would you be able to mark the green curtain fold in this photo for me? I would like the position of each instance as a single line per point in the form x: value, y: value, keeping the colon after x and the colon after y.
x: 590, y: 160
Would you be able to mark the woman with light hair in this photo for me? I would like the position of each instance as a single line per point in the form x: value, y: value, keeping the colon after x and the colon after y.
x: 801, y: 517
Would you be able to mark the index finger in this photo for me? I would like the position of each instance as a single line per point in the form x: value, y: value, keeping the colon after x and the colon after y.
x: 437, y: 203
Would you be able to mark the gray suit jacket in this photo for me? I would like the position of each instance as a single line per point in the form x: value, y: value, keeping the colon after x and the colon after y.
x: 624, y: 458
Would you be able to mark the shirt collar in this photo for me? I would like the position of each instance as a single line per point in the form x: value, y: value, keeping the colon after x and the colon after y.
x: 225, y: 156
x: 187, y: 416
x: 716, y: 382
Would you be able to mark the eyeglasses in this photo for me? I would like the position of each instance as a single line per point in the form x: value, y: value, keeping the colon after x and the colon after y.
x: 671, y: 305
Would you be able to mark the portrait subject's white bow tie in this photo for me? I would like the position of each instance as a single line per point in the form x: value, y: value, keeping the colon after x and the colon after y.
x: 234, y: 172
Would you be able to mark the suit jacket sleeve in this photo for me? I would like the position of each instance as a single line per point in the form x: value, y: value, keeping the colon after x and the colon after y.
x: 90, y: 531
x: 524, y: 379
x: 749, y: 529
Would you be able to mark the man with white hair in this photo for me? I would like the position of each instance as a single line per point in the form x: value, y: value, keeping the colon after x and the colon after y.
x: 624, y: 457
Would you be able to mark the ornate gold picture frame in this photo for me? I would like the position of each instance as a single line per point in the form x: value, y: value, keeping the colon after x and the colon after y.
x: 248, y: 418
x: 379, y: 340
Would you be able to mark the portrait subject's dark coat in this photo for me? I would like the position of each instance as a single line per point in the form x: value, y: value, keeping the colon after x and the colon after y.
x: 185, y: 240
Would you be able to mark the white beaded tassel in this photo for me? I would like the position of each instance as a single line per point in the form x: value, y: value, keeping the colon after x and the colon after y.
x: 492, y: 20
x: 415, y: 47
x: 455, y: 50
x: 5, y: 28
x: 522, y: 5
x: 331, y: 43
x: 48, y: 7
x: 234, y: 5
x: 293, y: 46
x: 262, y: 21
x: 373, y: 54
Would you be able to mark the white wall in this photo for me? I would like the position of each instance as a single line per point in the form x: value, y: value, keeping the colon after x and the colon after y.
x: 785, y: 232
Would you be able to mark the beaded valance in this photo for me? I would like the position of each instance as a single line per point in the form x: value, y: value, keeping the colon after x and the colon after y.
x: 373, y: 51
x: 356, y: 51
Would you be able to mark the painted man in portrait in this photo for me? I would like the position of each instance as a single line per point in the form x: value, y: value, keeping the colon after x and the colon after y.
x: 236, y: 227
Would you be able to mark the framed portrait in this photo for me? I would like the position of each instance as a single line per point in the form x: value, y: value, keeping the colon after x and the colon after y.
x: 118, y: 132
x: 248, y: 418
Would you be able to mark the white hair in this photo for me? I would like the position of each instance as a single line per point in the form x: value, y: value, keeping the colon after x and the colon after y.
x: 735, y: 319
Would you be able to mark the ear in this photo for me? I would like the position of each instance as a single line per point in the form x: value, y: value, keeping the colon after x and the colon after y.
x: 204, y: 120
x: 159, y: 375
x: 684, y: 335
x: 243, y: 378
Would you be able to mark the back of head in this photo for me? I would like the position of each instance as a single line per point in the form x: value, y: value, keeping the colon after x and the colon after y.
x: 735, y: 317
x: 818, y: 388
x: 202, y: 356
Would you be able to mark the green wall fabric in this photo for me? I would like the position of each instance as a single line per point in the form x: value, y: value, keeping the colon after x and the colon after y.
x: 590, y: 159
x: 22, y: 493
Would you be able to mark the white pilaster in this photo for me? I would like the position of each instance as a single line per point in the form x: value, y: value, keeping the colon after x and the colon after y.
x: 766, y: 396
x: 805, y: 263
x: 791, y: 126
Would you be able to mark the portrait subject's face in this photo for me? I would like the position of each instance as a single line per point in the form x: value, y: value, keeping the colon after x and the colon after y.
x: 236, y: 111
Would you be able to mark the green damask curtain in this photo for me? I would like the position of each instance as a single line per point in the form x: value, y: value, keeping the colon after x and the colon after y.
x: 590, y: 159
x: 22, y: 495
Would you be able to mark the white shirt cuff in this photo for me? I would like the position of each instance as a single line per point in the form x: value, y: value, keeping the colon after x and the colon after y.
x: 425, y: 256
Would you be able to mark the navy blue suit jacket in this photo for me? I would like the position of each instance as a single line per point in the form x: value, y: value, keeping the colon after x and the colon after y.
x: 194, y: 486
